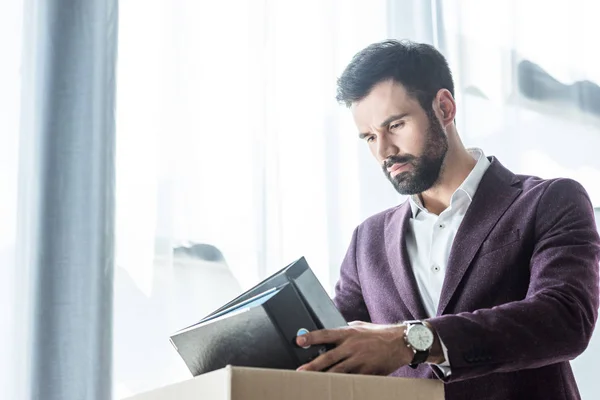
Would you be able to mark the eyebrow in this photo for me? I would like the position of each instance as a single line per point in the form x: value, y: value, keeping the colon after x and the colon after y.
x: 384, y: 123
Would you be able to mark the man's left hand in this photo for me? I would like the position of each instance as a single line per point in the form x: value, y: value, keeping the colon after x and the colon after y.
x: 361, y: 348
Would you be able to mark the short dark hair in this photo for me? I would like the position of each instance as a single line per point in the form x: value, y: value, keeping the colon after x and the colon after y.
x: 419, y: 67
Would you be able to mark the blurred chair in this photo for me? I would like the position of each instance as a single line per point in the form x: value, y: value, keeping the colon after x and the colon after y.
x: 198, y: 282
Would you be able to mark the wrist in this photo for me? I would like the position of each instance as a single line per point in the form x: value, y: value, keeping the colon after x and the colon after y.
x: 405, y: 353
x: 436, y: 354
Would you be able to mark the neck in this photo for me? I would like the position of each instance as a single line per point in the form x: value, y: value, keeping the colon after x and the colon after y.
x: 457, y: 166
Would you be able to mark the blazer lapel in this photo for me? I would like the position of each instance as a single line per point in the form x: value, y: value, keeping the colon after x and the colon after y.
x: 496, y: 192
x: 396, y: 225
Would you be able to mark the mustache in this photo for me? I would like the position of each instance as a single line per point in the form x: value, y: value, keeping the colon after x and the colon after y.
x: 397, y: 160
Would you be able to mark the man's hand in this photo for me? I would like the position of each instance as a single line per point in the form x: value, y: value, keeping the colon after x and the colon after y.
x: 361, y: 348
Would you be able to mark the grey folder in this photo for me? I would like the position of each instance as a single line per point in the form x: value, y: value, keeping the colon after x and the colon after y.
x: 259, y: 328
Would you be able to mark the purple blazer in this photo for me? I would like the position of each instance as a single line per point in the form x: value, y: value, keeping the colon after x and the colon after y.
x: 520, y: 296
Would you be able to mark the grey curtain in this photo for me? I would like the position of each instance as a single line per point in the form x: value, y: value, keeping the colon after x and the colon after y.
x: 66, y: 198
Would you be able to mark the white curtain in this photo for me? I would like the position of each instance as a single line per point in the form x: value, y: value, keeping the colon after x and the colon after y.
x: 228, y: 134
x: 57, y: 183
x: 555, y: 132
x: 11, y: 17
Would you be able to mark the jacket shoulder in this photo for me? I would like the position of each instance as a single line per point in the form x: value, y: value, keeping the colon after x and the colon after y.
x: 554, y: 186
x: 377, y: 221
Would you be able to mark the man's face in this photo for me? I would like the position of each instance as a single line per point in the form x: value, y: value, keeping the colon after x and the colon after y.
x: 409, y: 144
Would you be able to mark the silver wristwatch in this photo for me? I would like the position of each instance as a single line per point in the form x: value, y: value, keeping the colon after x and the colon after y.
x: 419, y: 338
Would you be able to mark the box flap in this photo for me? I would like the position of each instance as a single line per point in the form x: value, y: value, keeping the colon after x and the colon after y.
x: 214, y: 385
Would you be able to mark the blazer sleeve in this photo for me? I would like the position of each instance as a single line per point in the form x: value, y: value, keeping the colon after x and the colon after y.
x: 348, y: 294
x: 554, y: 322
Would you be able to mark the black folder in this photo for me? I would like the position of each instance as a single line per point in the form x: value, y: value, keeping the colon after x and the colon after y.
x: 259, y: 327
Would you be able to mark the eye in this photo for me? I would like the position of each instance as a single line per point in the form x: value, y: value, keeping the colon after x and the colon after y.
x: 396, y: 125
x: 370, y: 139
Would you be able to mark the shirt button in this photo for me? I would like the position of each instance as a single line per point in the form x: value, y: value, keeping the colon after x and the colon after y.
x: 442, y: 226
x: 435, y: 268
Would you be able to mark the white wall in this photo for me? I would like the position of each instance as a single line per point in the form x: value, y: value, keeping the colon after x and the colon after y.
x: 532, y: 142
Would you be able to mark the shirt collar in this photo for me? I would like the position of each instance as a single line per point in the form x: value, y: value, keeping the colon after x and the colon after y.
x: 467, y: 189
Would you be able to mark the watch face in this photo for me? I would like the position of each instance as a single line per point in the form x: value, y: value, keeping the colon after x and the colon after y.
x: 419, y: 337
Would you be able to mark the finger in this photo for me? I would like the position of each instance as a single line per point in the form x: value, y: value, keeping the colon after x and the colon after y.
x: 347, y: 366
x: 325, y: 361
x: 324, y: 336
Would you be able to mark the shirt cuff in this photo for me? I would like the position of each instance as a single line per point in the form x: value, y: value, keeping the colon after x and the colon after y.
x: 444, y: 367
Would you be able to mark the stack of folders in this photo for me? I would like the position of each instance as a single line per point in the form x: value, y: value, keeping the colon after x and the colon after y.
x: 259, y: 328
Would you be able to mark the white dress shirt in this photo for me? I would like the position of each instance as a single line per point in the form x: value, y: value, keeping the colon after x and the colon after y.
x: 429, y: 238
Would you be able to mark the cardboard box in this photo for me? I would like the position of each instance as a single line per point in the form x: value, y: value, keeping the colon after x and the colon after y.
x: 237, y: 383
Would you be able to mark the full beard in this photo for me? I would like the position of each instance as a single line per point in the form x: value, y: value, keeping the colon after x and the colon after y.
x: 427, y: 168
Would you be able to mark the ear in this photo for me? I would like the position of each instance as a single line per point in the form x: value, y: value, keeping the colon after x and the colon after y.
x: 444, y: 107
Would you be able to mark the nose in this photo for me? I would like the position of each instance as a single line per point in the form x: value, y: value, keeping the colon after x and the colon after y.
x: 385, y: 148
